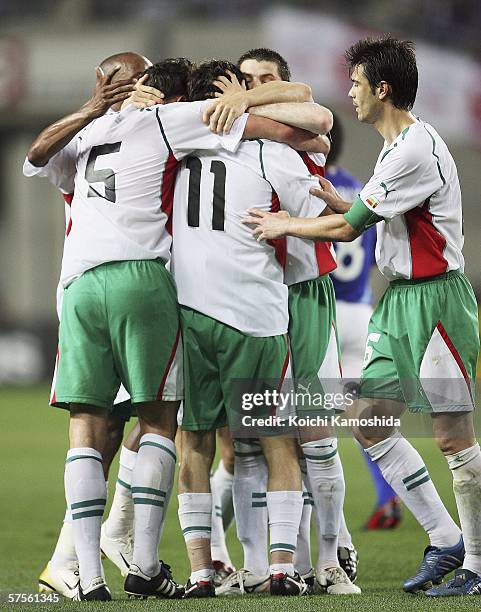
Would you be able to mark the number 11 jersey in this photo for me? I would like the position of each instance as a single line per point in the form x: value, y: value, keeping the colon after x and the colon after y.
x: 219, y: 268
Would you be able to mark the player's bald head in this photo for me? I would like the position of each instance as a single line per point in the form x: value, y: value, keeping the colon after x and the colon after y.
x: 130, y: 64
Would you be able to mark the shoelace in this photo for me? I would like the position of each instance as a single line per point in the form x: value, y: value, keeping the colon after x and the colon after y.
x: 237, y: 577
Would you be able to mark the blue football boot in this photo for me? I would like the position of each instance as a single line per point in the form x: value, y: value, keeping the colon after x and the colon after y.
x: 464, y: 582
x: 436, y: 564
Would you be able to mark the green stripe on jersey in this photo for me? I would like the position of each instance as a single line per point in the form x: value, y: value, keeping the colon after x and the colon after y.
x: 162, y: 131
x: 261, y: 159
x: 436, y: 155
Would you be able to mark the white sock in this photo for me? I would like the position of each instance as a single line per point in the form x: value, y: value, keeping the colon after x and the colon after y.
x: 195, y: 515
x: 284, y: 509
x: 86, y: 495
x: 466, y: 469
x: 222, y: 481
x: 219, y: 481
x: 250, y: 505
x: 203, y: 575
x: 64, y: 554
x: 403, y: 468
x: 120, y: 521
x: 282, y: 568
x: 345, y: 538
x: 152, y: 479
x: 327, y: 487
x: 302, y: 558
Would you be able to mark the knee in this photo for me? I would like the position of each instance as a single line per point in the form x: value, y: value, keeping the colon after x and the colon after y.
x: 449, y: 445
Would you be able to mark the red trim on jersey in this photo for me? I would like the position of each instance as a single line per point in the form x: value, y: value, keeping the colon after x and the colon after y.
x: 426, y: 242
x: 169, y: 364
x: 279, y: 244
x: 311, y: 164
x: 326, y: 261
x: 454, y: 353
x: 167, y: 193
x: 68, y: 197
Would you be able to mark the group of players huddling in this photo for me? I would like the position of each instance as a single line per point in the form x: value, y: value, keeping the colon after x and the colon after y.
x: 197, y: 253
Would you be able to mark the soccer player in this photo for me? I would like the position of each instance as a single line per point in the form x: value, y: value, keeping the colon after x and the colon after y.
x: 61, y: 572
x: 124, y: 159
x: 314, y: 357
x: 234, y: 314
x: 353, y: 303
x: 423, y: 339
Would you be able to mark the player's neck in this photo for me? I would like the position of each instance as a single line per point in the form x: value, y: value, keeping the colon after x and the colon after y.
x: 392, y: 122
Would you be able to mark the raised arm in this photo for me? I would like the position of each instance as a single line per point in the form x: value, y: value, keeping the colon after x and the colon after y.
x: 301, y: 140
x: 308, y: 116
x: 235, y: 99
x: 54, y: 138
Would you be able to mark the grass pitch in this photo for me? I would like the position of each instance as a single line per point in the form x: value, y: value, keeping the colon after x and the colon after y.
x: 34, y: 444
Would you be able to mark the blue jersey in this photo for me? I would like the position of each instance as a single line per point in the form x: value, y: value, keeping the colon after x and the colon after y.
x: 354, y: 259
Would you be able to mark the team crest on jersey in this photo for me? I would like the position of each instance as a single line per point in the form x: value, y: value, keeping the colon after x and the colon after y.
x: 372, y: 201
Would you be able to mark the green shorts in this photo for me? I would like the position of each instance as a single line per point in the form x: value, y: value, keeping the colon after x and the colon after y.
x: 313, y: 339
x: 217, y: 358
x: 423, y: 344
x: 119, y: 323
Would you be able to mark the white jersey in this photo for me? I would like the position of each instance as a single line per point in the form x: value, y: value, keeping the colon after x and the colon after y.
x: 219, y: 268
x: 309, y: 259
x: 415, y: 189
x: 124, y: 166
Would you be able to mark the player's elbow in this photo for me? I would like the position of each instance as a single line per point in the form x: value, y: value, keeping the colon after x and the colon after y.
x: 304, y: 92
x: 323, y: 121
x: 36, y: 155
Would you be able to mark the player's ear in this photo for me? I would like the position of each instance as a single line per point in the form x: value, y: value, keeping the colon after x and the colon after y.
x: 384, y: 90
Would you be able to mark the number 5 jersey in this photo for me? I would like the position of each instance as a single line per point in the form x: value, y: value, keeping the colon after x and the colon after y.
x: 121, y: 169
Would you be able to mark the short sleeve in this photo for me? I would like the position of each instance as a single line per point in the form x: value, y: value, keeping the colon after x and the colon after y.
x: 291, y: 180
x: 60, y: 169
x: 185, y: 131
x: 404, y: 178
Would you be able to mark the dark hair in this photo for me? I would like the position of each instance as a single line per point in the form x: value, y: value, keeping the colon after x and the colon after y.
x: 171, y: 76
x: 391, y: 60
x: 268, y: 55
x: 201, y: 85
x: 337, y: 141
